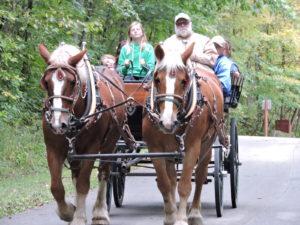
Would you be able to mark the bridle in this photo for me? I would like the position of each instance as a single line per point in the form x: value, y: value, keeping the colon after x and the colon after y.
x: 49, y: 109
x: 185, y: 103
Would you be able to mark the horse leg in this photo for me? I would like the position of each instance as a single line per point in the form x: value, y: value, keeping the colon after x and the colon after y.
x: 100, y: 211
x: 195, y: 217
x: 172, y: 174
x: 82, y: 188
x: 65, y: 210
x: 185, y: 184
x: 165, y: 186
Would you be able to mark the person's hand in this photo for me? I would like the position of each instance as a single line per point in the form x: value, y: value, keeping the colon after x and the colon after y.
x: 127, y: 62
x: 193, y: 57
x: 236, y: 74
x: 142, y: 62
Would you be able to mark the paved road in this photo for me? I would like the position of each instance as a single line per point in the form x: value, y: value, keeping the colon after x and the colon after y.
x: 269, y: 192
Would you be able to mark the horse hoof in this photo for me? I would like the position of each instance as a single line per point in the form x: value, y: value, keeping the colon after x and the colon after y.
x: 67, y: 213
x: 100, y: 221
x: 168, y: 223
x: 78, y: 222
x: 195, y: 221
x: 170, y: 219
x: 181, y: 223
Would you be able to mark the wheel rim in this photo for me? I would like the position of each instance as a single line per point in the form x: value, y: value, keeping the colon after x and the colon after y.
x: 108, y: 193
x: 218, y: 181
x: 118, y: 185
x: 234, y: 163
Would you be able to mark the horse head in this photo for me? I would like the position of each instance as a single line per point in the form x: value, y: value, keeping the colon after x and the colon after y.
x: 62, y: 82
x: 169, y: 88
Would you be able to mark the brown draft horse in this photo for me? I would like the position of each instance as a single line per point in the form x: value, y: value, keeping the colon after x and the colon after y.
x: 65, y: 81
x: 173, y: 116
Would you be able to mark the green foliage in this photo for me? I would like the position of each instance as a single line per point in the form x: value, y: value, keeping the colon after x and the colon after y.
x: 21, y: 148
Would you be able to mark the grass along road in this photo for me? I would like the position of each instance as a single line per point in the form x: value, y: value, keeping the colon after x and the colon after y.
x: 25, y: 192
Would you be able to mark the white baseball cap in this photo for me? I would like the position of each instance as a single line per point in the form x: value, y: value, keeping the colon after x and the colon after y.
x: 182, y: 16
x: 219, y: 40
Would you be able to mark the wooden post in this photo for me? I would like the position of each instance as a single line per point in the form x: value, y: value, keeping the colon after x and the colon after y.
x: 266, y: 118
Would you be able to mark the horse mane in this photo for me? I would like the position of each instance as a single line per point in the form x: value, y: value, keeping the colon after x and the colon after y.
x: 171, y: 61
x: 61, y: 55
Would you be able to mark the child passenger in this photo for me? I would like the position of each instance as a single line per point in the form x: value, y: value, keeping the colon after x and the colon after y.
x: 109, y: 61
x: 137, y: 55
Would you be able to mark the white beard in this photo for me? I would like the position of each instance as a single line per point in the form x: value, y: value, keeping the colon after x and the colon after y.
x: 184, y: 32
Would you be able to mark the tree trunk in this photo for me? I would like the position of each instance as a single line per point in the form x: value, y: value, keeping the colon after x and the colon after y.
x: 294, y: 116
x: 25, y: 67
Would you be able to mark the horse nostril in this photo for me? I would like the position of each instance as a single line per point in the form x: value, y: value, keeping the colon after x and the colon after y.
x: 160, y: 123
x: 64, y: 125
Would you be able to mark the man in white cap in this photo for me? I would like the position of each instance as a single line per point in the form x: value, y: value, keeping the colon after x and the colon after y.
x: 224, y: 66
x: 204, y: 53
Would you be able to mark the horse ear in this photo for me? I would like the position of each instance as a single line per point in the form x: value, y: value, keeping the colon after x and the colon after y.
x: 44, y: 52
x: 187, y: 53
x: 76, y: 58
x: 159, y: 52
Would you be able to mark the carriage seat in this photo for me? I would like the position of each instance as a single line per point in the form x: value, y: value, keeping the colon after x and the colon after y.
x: 236, y: 90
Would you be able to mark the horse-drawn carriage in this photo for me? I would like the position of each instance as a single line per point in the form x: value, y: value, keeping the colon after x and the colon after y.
x: 182, y: 120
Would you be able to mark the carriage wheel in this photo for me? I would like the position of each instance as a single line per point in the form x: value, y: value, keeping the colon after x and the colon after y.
x: 109, y: 192
x: 118, y: 184
x: 233, y: 159
x: 218, y: 178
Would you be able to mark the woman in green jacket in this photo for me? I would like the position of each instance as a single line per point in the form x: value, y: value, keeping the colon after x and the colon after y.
x: 137, y: 55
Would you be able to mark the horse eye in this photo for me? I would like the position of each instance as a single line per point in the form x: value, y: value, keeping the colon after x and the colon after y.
x: 157, y: 81
x: 73, y: 82
x: 46, y: 84
x: 183, y: 82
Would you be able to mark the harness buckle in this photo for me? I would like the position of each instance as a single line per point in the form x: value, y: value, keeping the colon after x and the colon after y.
x: 180, y: 139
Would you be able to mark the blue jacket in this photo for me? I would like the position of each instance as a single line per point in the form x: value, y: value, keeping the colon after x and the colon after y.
x: 223, y: 67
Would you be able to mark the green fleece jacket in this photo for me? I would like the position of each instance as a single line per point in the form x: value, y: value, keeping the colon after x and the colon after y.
x: 135, y: 55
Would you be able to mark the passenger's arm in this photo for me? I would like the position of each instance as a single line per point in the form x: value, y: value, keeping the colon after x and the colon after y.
x: 150, y: 58
x: 121, y: 63
x: 208, y: 56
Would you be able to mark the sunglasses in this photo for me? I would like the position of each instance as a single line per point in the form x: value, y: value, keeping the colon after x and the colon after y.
x: 184, y: 22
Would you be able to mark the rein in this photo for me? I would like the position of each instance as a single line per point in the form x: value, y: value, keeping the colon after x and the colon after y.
x: 129, y: 97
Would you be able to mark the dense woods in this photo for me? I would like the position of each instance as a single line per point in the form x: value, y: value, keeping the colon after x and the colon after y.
x: 264, y: 35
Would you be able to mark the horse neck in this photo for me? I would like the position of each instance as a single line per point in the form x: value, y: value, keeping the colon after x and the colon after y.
x: 80, y: 105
